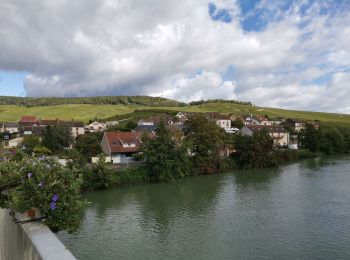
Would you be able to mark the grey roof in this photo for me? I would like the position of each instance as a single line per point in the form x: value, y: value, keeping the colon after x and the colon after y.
x: 11, y: 124
x: 146, y: 128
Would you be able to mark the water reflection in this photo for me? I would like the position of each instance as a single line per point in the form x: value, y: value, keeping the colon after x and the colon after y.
x: 298, y: 211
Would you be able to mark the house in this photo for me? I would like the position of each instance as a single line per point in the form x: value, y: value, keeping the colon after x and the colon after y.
x: 144, y: 122
x: 156, y: 119
x: 77, y: 128
x: 112, y: 123
x: 120, y: 146
x: 96, y: 127
x: 297, y: 125
x: 27, y: 121
x: 278, y: 133
x: 250, y: 120
x: 11, y: 127
x: 27, y: 130
x: 13, y: 143
x: 270, y: 121
x: 183, y: 116
x: 221, y: 120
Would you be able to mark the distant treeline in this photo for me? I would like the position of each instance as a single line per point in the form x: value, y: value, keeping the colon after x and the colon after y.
x: 107, y: 100
x: 200, y: 102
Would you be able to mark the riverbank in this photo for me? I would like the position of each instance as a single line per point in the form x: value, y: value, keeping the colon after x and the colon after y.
x: 101, y: 176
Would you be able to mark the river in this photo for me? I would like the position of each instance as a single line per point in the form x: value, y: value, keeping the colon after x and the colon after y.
x: 298, y: 211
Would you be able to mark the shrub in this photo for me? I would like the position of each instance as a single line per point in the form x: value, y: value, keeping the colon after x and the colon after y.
x: 45, y: 185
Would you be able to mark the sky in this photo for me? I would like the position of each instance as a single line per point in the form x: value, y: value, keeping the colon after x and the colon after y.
x: 292, y: 54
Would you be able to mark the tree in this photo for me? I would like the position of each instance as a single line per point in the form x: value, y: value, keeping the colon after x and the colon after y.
x: 254, y: 151
x: 57, y: 137
x: 310, y: 138
x: 89, y: 144
x: 164, y: 159
x: 131, y: 125
x: 30, y: 142
x: 332, y: 141
x: 238, y: 123
x: 205, y: 138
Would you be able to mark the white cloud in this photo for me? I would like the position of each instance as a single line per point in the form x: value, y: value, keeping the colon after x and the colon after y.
x: 172, y: 49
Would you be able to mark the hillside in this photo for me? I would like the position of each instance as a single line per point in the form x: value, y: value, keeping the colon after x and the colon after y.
x: 89, y: 111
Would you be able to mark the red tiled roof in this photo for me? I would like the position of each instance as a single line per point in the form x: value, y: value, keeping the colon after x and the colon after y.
x: 117, y: 139
x: 28, y: 119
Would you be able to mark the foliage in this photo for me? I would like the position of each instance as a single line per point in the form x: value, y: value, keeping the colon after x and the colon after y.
x: 205, y: 138
x: 310, y: 139
x: 164, y: 159
x: 57, y: 137
x: 238, y: 123
x: 327, y: 140
x: 89, y: 144
x: 110, y: 100
x: 30, y: 142
x: 200, y: 102
x: 39, y: 151
x: 45, y: 185
x: 254, y: 151
x: 98, y: 176
x: 131, y: 125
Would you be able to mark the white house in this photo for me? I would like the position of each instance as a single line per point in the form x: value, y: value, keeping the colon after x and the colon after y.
x: 96, y: 127
x: 221, y: 120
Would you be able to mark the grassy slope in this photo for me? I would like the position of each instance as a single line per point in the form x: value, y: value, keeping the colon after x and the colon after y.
x: 86, y: 112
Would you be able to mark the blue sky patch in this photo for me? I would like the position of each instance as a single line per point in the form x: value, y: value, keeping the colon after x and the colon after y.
x: 11, y: 83
x: 219, y: 14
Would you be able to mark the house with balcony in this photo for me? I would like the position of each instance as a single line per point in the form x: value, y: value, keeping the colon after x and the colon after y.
x: 120, y: 146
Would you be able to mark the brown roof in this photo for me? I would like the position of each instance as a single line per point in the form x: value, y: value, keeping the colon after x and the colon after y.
x: 117, y: 139
x: 269, y: 128
x: 28, y: 119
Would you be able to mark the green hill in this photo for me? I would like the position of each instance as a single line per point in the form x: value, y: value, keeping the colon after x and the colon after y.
x: 153, y: 106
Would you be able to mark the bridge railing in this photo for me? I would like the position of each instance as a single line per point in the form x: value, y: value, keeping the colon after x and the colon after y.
x: 30, y: 241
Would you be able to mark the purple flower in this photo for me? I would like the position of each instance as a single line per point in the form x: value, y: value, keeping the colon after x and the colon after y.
x: 30, y: 174
x: 55, y: 198
x: 53, y: 205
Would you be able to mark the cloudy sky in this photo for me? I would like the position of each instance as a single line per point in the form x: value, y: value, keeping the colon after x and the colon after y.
x: 281, y: 53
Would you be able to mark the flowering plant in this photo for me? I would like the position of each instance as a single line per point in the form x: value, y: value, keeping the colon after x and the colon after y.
x: 43, y: 184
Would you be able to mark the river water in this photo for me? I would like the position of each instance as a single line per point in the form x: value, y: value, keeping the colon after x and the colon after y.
x: 298, y: 211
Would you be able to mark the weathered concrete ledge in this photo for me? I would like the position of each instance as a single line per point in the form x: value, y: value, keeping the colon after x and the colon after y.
x: 30, y: 241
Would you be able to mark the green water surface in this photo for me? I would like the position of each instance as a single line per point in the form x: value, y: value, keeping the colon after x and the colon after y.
x: 298, y: 211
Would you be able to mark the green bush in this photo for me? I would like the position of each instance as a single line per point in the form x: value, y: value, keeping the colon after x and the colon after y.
x: 45, y: 185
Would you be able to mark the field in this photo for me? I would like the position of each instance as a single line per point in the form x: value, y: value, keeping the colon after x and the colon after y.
x: 85, y: 112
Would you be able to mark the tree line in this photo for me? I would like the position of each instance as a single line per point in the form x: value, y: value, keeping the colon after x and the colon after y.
x: 102, y: 100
